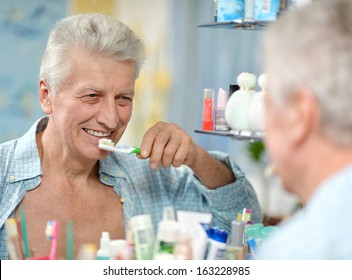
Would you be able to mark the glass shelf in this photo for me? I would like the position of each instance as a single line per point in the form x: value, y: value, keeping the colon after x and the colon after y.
x: 251, y: 136
x: 237, y: 24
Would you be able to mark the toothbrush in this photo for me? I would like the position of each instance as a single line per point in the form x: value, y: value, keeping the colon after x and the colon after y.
x: 12, y: 240
x: 24, y: 233
x: 107, y: 144
x: 69, y: 241
x: 51, y: 233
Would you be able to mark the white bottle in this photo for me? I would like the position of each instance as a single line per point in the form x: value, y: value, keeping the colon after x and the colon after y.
x: 256, y: 110
x: 104, y: 250
x: 217, y: 245
x: 183, y: 249
x: 167, y: 237
x: 116, y: 247
x: 237, y: 108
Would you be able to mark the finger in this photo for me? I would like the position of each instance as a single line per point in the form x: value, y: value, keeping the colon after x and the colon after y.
x: 159, y: 144
x: 148, y: 139
x: 171, y: 149
x: 183, y: 152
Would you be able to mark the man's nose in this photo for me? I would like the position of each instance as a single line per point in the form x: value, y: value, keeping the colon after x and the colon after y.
x: 108, y: 115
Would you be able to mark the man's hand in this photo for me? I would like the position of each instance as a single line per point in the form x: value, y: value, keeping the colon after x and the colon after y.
x: 167, y: 144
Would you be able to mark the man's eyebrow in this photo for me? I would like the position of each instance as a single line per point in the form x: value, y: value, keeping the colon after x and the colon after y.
x: 127, y: 92
x: 102, y: 91
x: 95, y: 89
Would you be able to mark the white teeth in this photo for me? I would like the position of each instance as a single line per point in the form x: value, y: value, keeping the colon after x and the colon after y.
x: 97, y: 133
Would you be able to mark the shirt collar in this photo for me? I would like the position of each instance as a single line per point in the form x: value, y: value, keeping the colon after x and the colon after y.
x: 112, y: 165
x: 26, y: 161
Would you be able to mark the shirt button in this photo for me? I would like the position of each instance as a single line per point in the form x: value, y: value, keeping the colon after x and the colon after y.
x: 12, y: 178
x: 105, y: 177
x: 122, y: 199
x: 121, y: 174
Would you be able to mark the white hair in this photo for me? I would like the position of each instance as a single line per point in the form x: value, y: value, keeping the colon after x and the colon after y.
x: 312, y: 47
x: 96, y: 33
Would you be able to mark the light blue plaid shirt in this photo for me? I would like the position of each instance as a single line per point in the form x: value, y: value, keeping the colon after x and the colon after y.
x: 322, y: 230
x: 143, y: 190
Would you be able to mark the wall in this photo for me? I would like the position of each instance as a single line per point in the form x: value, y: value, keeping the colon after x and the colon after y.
x: 182, y: 60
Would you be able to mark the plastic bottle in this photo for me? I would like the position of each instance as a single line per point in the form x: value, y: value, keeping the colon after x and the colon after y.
x: 217, y: 245
x: 235, y: 249
x: 254, y: 238
x: 143, y: 236
x: 116, y: 247
x: 104, y: 251
x: 256, y: 110
x: 183, y: 249
x: 255, y: 232
x: 237, y: 108
x: 194, y: 224
x: 268, y: 231
x: 167, y: 237
x: 208, y: 107
x: 220, y: 121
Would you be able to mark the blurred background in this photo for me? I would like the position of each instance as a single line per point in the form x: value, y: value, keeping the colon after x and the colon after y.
x: 182, y: 60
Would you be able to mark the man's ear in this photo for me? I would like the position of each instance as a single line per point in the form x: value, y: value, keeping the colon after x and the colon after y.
x: 303, y: 116
x: 44, y: 93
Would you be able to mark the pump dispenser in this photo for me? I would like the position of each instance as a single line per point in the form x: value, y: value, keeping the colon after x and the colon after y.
x: 237, y: 108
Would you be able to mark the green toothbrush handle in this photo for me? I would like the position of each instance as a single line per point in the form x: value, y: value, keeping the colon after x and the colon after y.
x: 136, y: 150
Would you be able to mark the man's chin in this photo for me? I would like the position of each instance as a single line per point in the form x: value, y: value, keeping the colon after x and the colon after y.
x: 102, y: 155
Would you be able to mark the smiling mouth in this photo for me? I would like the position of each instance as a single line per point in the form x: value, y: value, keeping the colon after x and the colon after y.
x: 97, y: 133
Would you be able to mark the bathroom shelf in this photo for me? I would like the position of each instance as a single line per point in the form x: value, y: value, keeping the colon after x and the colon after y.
x: 251, y: 136
x: 237, y: 24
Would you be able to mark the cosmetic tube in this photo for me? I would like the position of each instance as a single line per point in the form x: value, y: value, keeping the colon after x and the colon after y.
x: 143, y: 236
x: 220, y: 121
x: 208, y: 107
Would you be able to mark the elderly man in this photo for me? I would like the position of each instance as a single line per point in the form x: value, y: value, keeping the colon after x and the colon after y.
x: 56, y: 170
x: 308, y: 55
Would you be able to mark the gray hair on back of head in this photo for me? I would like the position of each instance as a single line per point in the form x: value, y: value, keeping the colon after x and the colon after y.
x: 312, y: 47
x: 95, y: 33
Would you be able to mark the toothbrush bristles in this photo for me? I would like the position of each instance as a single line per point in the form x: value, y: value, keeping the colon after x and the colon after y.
x: 106, y: 142
x: 49, y: 230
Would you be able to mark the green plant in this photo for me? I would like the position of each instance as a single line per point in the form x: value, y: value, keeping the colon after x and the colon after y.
x: 256, y: 150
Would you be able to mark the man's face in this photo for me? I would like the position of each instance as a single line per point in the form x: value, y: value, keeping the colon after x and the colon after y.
x: 277, y: 139
x: 94, y: 102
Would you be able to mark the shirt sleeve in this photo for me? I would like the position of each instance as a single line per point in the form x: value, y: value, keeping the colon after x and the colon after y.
x: 225, y: 202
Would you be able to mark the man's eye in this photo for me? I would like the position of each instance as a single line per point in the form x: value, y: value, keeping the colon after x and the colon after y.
x: 90, y: 98
x: 92, y: 95
x: 124, y: 100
